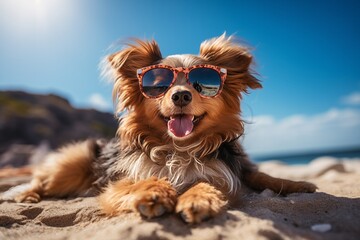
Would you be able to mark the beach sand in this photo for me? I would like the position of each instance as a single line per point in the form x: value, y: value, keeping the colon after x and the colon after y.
x: 333, y: 212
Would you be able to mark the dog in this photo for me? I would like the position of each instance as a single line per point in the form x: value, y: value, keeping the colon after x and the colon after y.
x: 176, y: 149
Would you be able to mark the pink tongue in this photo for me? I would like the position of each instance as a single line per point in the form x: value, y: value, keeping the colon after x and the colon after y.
x: 181, y: 125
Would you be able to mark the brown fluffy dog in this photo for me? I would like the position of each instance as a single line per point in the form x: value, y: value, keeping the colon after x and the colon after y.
x: 148, y: 169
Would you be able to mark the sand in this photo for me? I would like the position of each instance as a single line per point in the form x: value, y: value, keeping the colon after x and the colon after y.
x: 333, y: 212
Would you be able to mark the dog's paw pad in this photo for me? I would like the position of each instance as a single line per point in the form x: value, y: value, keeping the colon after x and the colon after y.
x: 154, y: 206
x: 196, y: 212
x: 192, y: 216
x: 151, y: 209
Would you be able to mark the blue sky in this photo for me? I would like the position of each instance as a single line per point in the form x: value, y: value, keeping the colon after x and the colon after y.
x: 306, y: 52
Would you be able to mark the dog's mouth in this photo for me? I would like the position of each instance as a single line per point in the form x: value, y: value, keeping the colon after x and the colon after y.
x: 182, y: 125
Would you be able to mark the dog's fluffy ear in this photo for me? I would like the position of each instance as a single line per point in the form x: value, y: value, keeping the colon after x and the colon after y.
x: 139, y: 54
x: 225, y: 52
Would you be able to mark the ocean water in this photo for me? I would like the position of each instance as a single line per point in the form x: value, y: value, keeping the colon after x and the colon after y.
x: 304, y: 158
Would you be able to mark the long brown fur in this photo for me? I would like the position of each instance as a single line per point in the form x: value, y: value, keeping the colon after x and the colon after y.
x: 147, y: 169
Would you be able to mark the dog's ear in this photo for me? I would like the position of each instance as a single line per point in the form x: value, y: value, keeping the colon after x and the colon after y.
x: 225, y: 52
x: 138, y: 54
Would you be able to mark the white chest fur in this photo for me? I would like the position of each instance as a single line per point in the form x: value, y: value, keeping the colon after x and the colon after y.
x: 181, y: 169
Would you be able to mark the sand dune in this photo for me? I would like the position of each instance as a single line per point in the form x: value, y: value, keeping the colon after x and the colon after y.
x: 331, y: 213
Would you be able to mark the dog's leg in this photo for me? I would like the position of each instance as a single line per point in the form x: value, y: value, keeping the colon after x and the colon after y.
x: 151, y: 197
x: 63, y: 173
x: 200, y: 202
x: 261, y: 181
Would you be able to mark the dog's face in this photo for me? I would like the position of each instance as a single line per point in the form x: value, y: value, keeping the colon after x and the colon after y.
x: 181, y: 113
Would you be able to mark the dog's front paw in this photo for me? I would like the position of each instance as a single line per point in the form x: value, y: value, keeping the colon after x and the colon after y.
x: 200, y: 202
x: 154, y: 197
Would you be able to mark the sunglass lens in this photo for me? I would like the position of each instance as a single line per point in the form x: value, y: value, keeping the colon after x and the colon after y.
x: 156, y: 81
x: 206, y: 81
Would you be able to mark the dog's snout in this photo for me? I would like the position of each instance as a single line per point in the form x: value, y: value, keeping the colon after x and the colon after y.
x: 181, y: 98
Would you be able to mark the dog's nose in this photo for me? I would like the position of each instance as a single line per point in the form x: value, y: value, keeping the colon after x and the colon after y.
x: 181, y: 98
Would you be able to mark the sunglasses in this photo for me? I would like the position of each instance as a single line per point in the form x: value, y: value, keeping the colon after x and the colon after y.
x: 155, y: 80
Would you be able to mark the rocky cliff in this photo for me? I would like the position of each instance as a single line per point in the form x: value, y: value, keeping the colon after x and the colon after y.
x: 31, y: 119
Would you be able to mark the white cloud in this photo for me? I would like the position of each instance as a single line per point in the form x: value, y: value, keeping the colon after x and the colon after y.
x: 334, y: 128
x: 98, y: 102
x: 352, y: 99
